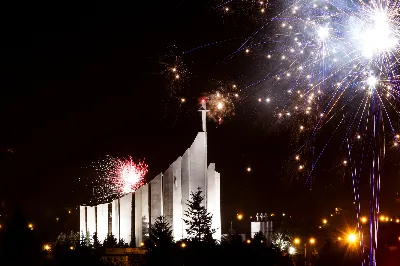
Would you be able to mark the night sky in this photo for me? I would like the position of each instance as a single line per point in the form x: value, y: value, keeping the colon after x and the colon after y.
x: 80, y: 81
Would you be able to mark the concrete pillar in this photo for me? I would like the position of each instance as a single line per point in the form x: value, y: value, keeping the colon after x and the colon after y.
x: 91, y: 220
x: 185, y: 179
x: 172, y: 198
x: 213, y: 199
x: 138, y: 217
x: 82, y: 220
x: 156, y: 205
x: 102, y: 222
x: 115, y: 219
x: 125, y: 208
x: 198, y: 164
x: 194, y: 171
x: 142, y: 213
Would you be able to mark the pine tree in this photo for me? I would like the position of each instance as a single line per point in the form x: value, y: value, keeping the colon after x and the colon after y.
x: 198, y: 219
x: 122, y: 244
x: 87, y: 240
x: 161, y: 233
x: 110, y: 241
x: 96, y: 242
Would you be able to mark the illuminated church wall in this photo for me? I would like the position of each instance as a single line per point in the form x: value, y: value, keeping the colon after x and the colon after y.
x: 167, y: 194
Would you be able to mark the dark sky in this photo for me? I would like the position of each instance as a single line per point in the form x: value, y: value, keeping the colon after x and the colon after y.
x: 82, y: 80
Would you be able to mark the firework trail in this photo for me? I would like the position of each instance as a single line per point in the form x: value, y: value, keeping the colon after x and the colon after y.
x: 117, y: 177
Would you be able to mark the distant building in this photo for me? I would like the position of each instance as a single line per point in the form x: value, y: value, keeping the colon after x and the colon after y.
x: 262, y: 225
x: 131, y: 216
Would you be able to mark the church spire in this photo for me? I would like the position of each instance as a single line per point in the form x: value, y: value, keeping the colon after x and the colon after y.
x: 204, y: 111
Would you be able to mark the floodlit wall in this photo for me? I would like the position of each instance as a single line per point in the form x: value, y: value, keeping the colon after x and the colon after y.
x: 265, y: 227
x: 138, y: 216
x: 156, y: 198
x: 213, y: 199
x: 194, y: 172
x: 172, y: 198
x: 198, y: 164
x: 145, y: 212
x: 217, y: 220
x: 82, y: 220
x: 115, y: 218
x: 125, y: 223
x: 141, y: 214
x: 185, y: 173
x: 102, y: 221
x: 177, y: 200
x: 91, y: 220
x: 166, y: 195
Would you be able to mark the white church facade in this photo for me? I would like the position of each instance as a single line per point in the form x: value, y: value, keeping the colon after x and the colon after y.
x: 165, y: 195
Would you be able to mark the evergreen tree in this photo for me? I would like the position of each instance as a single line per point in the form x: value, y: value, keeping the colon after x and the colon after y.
x: 96, y: 242
x: 232, y: 238
x: 259, y: 238
x: 198, y: 219
x: 87, y: 240
x: 161, y: 233
x: 122, y: 244
x: 110, y: 241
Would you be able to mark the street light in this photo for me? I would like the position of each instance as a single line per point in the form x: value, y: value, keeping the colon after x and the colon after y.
x: 364, y: 219
x: 30, y: 226
x: 239, y: 216
x: 324, y: 221
x: 312, y: 241
x: 183, y: 245
x: 297, y: 241
x: 47, y: 247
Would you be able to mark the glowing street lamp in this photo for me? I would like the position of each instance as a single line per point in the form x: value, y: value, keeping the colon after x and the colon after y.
x: 47, y: 247
x: 239, y: 216
x: 183, y: 245
x: 312, y: 241
x: 364, y: 220
x: 297, y: 241
x: 324, y: 221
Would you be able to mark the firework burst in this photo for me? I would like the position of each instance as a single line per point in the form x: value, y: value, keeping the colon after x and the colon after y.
x: 221, y: 103
x: 331, y: 65
x: 117, y: 177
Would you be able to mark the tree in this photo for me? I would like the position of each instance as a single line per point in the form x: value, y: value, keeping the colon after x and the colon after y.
x: 96, y: 242
x: 259, y: 239
x: 161, y: 233
x: 122, y: 244
x: 198, y: 219
x: 110, y: 241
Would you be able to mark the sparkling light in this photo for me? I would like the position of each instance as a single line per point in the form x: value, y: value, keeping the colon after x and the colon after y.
x: 292, y: 250
x: 117, y: 177
x: 323, y: 33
